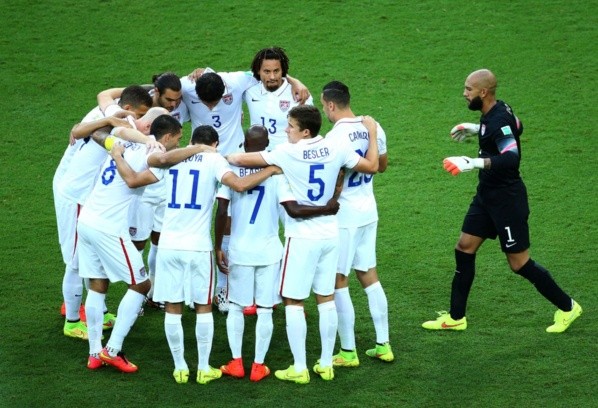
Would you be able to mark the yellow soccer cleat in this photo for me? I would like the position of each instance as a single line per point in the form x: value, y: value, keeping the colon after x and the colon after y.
x: 181, y: 376
x: 562, y: 320
x: 301, y: 377
x: 445, y: 322
x: 209, y: 375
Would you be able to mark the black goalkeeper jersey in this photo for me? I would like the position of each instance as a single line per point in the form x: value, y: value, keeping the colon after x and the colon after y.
x: 497, y: 127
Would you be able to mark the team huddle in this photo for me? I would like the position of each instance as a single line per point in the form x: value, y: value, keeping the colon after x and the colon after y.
x: 123, y: 181
x: 135, y: 184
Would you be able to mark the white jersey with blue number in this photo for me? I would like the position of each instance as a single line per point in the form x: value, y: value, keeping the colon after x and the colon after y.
x: 270, y: 109
x: 190, y: 191
x: 312, y: 166
x: 106, y: 208
x: 254, y: 237
x: 357, y: 201
x: 226, y: 116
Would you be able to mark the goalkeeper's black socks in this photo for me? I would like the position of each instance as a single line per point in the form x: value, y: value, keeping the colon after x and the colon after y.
x: 544, y: 283
x: 462, y: 281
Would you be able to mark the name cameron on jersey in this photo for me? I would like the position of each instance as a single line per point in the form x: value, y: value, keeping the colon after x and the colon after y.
x: 358, y: 135
x: 316, y: 153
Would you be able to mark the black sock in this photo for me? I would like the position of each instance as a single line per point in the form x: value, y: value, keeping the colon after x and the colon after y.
x: 462, y: 281
x: 544, y: 283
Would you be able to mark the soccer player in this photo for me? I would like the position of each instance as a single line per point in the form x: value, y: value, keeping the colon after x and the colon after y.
x: 185, y: 266
x: 106, y: 251
x: 72, y: 183
x: 216, y: 99
x: 358, y: 222
x: 311, y: 164
x: 254, y: 253
x: 499, y: 208
x: 269, y: 100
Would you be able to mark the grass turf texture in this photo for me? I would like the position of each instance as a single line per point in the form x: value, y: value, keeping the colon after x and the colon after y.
x: 405, y: 63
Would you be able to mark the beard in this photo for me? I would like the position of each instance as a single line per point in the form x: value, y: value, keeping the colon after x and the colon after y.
x: 475, y: 104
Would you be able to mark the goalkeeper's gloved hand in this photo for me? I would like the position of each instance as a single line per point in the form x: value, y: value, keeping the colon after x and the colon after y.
x: 464, y: 130
x: 457, y: 164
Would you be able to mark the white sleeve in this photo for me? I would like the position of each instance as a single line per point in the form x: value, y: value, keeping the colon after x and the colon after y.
x: 381, y: 140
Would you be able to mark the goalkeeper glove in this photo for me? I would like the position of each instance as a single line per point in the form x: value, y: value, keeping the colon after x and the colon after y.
x: 458, y: 164
x: 464, y: 130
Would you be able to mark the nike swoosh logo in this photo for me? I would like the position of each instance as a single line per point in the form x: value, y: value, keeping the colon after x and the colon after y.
x: 194, y: 102
x: 466, y: 161
x: 254, y: 100
x: 510, y: 245
x: 448, y: 326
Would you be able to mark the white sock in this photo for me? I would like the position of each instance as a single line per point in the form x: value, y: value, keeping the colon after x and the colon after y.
x: 346, y: 318
x: 297, y: 335
x: 176, y: 339
x: 151, y: 266
x: 328, y: 327
x: 263, y: 333
x: 128, y: 311
x: 235, y: 326
x: 204, y: 333
x: 95, y: 318
x: 72, y: 291
x: 379, y: 311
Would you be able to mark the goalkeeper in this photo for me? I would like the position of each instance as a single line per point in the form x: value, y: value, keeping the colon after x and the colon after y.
x: 499, y: 208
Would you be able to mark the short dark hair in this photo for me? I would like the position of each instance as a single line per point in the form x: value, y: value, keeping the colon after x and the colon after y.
x: 271, y: 53
x: 337, y: 92
x: 307, y: 117
x: 135, y: 96
x: 163, y: 125
x: 209, y: 87
x: 204, y: 134
x: 166, y: 80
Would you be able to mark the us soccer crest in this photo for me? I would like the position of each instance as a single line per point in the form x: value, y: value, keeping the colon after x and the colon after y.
x: 132, y: 231
x: 142, y: 271
x: 483, y: 130
x: 227, y: 99
x: 284, y: 105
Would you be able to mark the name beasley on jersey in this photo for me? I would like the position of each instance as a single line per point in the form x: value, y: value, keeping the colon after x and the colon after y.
x: 244, y: 171
x: 315, y: 153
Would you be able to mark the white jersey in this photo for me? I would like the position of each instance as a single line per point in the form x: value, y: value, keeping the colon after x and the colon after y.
x: 226, y: 116
x: 357, y: 201
x: 78, y: 179
x: 270, y: 109
x: 106, y: 208
x: 312, y: 166
x: 254, y: 237
x: 190, y: 191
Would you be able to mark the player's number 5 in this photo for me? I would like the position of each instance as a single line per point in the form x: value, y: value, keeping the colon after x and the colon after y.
x: 315, y: 180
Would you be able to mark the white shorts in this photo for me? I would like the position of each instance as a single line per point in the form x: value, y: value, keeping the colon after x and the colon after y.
x: 106, y: 256
x: 67, y: 213
x: 358, y: 248
x: 308, y: 264
x: 246, y: 283
x: 145, y: 217
x: 184, y: 276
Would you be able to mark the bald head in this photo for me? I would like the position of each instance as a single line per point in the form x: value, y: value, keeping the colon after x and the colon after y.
x: 483, y: 78
x: 480, y: 90
x: 256, y: 139
x: 145, y: 122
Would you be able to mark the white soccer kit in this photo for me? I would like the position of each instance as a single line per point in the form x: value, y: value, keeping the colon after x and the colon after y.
x: 270, y: 109
x: 358, y: 214
x: 191, y: 188
x: 105, y: 249
x: 310, y: 254
x: 226, y: 116
x: 68, y: 196
x: 254, y: 249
